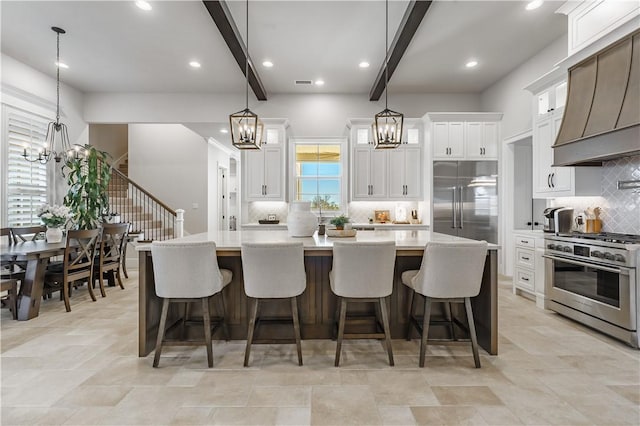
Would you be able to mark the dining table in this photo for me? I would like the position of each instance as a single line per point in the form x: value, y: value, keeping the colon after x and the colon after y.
x: 36, y: 254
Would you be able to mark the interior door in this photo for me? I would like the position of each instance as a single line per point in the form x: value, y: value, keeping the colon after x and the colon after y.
x: 445, y: 178
x: 478, y: 198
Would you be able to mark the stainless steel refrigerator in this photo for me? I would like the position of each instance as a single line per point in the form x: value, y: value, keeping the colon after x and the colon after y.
x: 465, y: 199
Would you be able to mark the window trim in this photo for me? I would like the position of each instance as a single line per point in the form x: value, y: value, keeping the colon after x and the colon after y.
x: 344, y: 171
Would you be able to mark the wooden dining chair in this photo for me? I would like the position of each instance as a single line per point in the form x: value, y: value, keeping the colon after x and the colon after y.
x: 110, y: 253
x: 28, y: 233
x: 77, y: 264
x: 11, y: 287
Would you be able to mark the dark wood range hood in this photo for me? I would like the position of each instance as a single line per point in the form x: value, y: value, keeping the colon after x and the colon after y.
x: 602, y: 116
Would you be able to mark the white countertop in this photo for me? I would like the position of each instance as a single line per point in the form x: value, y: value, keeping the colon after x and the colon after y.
x: 232, y: 240
x: 532, y: 233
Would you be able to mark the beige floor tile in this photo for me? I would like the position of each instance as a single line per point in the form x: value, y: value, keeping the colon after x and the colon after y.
x: 630, y: 392
x: 447, y: 416
x: 343, y: 405
x: 293, y: 416
x: 229, y: 395
x: 606, y: 414
x: 280, y: 396
x: 245, y: 416
x: 192, y: 416
x: 400, y: 387
x: 497, y: 415
x: 465, y: 395
x: 396, y: 415
x: 94, y: 396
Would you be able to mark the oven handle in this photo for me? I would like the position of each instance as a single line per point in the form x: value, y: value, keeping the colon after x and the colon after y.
x: 622, y: 271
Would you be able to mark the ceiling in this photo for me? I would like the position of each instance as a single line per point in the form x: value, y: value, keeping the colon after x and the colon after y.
x: 112, y: 46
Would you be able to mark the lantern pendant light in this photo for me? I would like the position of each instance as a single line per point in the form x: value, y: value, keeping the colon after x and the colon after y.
x: 56, y: 144
x: 246, y: 128
x: 387, y: 126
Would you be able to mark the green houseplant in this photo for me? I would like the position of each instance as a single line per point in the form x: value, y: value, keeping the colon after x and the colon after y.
x: 88, y: 179
x: 339, y: 221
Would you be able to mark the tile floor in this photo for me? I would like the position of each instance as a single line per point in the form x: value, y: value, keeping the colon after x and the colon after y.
x: 81, y: 368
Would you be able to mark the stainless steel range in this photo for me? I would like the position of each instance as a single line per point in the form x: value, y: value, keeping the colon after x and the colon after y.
x: 593, y: 278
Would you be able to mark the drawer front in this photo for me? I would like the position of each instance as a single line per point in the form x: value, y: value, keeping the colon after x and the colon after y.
x: 525, y: 258
x: 523, y: 241
x: 525, y: 279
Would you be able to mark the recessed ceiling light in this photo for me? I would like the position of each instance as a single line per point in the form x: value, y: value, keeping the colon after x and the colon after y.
x: 319, y: 82
x: 62, y: 65
x: 534, y: 4
x: 194, y: 64
x: 363, y: 64
x: 224, y: 131
x: 143, y: 5
x: 267, y: 64
x: 471, y: 64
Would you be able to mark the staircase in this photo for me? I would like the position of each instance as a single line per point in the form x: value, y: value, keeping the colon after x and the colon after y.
x: 145, y: 212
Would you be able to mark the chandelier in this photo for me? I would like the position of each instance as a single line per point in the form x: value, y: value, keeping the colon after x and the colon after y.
x: 56, y: 143
x: 387, y: 126
x: 246, y: 128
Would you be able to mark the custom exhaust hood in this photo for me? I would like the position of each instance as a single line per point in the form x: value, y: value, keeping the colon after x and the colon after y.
x: 602, y: 115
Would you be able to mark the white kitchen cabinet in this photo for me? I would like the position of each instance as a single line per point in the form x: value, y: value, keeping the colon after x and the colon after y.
x: 481, y: 140
x: 448, y: 140
x: 264, y: 174
x: 405, y: 173
x: 369, y: 172
x: 528, y: 272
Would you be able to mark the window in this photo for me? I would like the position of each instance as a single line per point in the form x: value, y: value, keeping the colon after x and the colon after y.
x: 27, y: 182
x: 318, y: 175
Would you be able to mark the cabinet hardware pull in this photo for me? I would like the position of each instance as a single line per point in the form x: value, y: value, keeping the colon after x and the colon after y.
x: 549, y: 180
x: 553, y: 175
x: 525, y: 279
x: 524, y: 241
x: 525, y: 258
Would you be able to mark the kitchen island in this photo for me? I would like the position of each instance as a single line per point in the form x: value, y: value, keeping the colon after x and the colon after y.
x: 317, y: 305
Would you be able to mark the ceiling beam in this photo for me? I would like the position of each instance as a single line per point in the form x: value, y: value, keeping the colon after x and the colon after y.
x: 221, y: 15
x: 407, y: 29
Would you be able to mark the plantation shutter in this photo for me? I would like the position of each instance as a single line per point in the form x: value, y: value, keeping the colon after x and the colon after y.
x: 27, y: 182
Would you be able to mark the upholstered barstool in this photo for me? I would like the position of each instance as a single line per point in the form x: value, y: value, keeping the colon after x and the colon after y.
x: 273, y: 271
x: 363, y: 272
x: 187, y: 272
x: 451, y: 272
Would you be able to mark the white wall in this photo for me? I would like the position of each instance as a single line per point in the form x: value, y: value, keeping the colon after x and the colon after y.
x: 111, y: 138
x: 508, y: 95
x: 309, y: 115
x: 171, y: 162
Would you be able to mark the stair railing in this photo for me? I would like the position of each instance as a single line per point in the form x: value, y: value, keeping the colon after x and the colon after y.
x: 143, y: 210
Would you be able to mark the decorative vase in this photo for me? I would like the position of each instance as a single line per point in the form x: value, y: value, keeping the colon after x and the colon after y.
x: 300, y: 221
x: 53, y: 234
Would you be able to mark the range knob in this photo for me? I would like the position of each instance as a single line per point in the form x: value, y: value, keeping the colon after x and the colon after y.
x: 567, y: 249
x: 608, y: 256
x: 596, y: 254
x: 551, y: 246
x: 619, y: 258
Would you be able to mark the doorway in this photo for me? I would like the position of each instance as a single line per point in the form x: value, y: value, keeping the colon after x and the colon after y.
x: 223, y: 198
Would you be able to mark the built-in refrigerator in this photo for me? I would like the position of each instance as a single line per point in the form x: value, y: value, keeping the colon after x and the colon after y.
x: 465, y: 199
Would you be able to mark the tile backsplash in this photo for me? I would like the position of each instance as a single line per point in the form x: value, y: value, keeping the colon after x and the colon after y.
x: 620, y: 207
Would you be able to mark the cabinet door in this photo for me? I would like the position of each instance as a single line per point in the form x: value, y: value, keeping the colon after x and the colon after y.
x: 361, y: 172
x: 378, y: 176
x: 254, y: 175
x: 413, y: 173
x: 456, y: 140
x: 542, y: 156
x: 273, y: 169
x: 397, y: 173
x: 561, y: 177
x: 490, y: 142
x: 474, y: 140
x: 440, y: 140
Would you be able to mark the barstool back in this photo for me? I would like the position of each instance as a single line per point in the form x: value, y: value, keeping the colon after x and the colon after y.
x: 186, y: 269
x: 363, y: 269
x: 451, y: 269
x: 273, y: 270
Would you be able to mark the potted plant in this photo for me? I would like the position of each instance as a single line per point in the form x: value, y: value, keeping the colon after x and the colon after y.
x: 88, y: 179
x: 339, y: 221
x: 55, y: 218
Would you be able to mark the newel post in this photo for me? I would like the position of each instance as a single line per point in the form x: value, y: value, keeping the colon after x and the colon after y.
x: 179, y: 223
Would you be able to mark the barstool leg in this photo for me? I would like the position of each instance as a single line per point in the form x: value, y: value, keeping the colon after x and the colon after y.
x: 252, y: 323
x: 472, y: 332
x: 410, y: 315
x: 449, y: 317
x: 183, y: 326
x: 206, y: 317
x: 387, y: 330
x: 343, y: 317
x: 160, y: 338
x: 425, y: 330
x: 225, y: 325
x: 296, y: 327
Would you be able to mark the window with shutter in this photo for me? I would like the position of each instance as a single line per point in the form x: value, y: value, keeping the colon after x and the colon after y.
x: 27, y: 182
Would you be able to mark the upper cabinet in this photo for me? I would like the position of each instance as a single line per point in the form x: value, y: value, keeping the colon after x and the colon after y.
x: 386, y: 174
x: 264, y: 169
x: 465, y: 136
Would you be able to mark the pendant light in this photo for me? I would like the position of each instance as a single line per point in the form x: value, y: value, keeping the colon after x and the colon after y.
x: 387, y: 125
x: 246, y: 128
x: 56, y: 144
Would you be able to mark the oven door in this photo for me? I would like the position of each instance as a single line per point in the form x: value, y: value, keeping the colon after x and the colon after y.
x: 605, y: 292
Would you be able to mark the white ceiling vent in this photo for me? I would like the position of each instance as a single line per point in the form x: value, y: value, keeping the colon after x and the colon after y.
x: 304, y: 82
